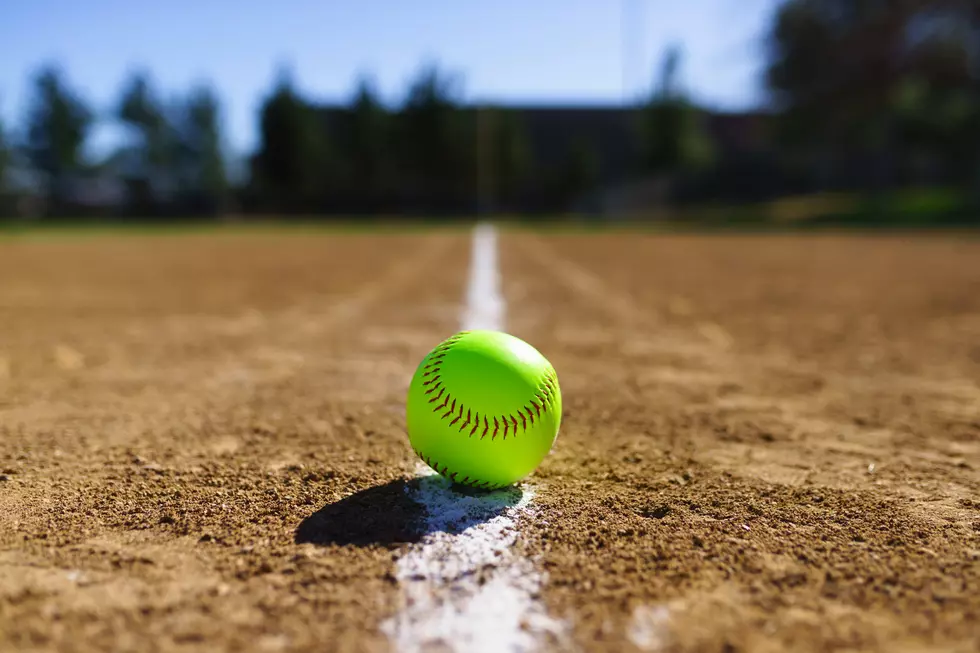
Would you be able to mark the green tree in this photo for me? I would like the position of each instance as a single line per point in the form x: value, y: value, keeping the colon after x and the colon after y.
x: 6, y: 163
x: 513, y: 162
x: 579, y: 176
x: 149, y: 164
x: 58, y: 124
x: 887, y: 80
x: 435, y: 147
x: 141, y: 110
x: 201, y: 148
x: 6, y: 157
x: 293, y: 156
x: 672, y: 132
x: 503, y: 157
x: 367, y: 146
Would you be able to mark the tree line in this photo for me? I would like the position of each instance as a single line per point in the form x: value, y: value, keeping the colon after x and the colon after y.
x: 863, y: 95
x: 432, y: 154
x: 172, y: 150
x: 881, y: 93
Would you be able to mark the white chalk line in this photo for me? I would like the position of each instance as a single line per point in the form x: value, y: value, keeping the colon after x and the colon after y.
x: 485, y: 307
x: 465, y: 587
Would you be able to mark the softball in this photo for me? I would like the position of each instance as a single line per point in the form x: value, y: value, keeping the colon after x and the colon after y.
x: 483, y: 409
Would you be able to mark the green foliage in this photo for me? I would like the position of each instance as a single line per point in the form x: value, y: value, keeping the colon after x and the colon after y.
x: 367, y: 144
x: 6, y: 165
x: 176, y: 157
x: 58, y: 123
x: 505, y: 162
x: 433, y: 145
x: 202, y: 146
x: 6, y: 157
x: 672, y: 134
x: 513, y: 161
x: 892, y: 79
x: 674, y: 137
x: 869, y: 97
x: 143, y: 112
x: 294, y: 153
x: 580, y: 172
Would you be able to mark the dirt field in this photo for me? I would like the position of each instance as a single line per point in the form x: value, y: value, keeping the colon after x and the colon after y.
x: 769, y: 443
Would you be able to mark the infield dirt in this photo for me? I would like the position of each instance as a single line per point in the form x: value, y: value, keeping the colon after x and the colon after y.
x: 769, y: 443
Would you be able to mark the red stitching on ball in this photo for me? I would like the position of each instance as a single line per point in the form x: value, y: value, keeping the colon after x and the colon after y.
x: 454, y: 410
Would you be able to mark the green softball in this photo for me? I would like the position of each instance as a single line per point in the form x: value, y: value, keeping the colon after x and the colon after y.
x: 483, y: 408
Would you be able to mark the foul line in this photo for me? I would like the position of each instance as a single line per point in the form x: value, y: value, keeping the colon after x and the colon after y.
x: 485, y: 307
x: 465, y: 588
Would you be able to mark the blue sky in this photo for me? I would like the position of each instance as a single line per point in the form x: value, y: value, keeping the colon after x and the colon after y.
x: 508, y: 50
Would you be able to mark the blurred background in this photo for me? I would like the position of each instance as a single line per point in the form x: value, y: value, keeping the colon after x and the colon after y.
x: 795, y: 112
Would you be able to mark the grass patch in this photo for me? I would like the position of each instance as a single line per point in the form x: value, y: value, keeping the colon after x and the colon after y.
x: 68, y: 228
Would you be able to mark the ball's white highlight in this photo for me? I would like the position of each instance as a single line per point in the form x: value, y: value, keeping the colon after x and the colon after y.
x: 465, y: 587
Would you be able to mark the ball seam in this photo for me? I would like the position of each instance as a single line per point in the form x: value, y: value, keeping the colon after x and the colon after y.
x: 457, y: 413
x: 454, y: 476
